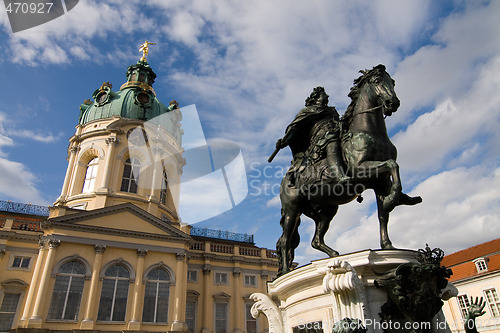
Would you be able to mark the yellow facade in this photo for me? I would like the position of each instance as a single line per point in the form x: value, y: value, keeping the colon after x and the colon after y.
x: 112, y: 253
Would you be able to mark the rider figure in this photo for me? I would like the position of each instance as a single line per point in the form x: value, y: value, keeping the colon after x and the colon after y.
x: 317, y: 118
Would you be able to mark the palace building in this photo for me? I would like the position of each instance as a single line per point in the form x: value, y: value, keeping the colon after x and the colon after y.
x: 111, y: 254
x: 476, y: 274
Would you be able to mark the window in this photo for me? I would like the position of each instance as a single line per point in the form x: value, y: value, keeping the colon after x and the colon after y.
x: 481, y: 265
x: 463, y: 303
x: 131, y: 175
x: 156, y: 296
x: 68, y: 291
x: 80, y: 206
x: 250, y: 281
x: 191, y: 315
x: 113, y: 303
x: 220, y: 317
x: 90, y: 176
x: 220, y: 278
x: 8, y: 310
x: 164, y: 189
x: 21, y: 262
x: 192, y: 276
x: 250, y: 321
x: 493, y: 301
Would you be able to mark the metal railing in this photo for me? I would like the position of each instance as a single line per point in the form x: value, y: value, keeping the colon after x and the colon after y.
x: 22, y: 208
x: 222, y: 234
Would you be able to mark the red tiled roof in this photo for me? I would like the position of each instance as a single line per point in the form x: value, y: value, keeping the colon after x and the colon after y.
x: 462, y: 264
x: 472, y: 253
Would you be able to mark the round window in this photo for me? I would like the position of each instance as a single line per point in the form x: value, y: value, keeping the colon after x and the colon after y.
x: 143, y: 98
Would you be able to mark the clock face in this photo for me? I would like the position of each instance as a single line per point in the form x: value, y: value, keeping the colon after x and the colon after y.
x: 137, y: 136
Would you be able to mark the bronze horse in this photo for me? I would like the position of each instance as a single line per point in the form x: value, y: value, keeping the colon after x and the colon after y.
x: 370, y: 162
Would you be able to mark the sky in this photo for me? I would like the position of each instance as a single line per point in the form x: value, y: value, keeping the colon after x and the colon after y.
x: 247, y: 67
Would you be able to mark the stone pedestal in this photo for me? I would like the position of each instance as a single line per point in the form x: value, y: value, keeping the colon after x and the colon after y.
x: 314, y: 297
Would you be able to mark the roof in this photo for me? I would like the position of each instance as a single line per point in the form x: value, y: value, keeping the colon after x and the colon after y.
x: 472, y: 253
x: 462, y: 262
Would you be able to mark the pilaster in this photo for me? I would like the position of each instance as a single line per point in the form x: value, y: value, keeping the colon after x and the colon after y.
x: 73, y: 150
x: 180, y: 293
x: 36, y: 320
x: 135, y: 323
x: 89, y: 321
x: 23, y: 322
x: 207, y: 299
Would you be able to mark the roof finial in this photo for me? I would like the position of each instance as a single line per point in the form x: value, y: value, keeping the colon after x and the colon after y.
x: 145, y: 49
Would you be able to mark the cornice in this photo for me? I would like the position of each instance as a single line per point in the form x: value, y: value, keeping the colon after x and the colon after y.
x: 232, y: 259
x: 33, y: 236
x: 69, y: 222
x: 112, y: 231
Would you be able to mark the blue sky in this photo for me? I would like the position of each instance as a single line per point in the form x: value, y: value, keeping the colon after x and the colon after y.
x: 248, y: 67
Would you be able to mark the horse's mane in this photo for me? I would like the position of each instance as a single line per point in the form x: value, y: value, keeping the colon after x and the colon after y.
x: 354, y: 94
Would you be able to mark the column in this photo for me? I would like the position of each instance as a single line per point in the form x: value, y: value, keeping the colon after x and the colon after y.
x: 33, y: 285
x: 89, y: 321
x: 69, y: 171
x: 135, y: 323
x: 180, y: 293
x: 36, y: 320
x: 157, y: 172
x: 112, y: 142
x: 207, y: 312
x: 237, y: 308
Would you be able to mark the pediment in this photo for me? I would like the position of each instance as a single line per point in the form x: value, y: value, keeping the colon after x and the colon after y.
x: 124, y: 219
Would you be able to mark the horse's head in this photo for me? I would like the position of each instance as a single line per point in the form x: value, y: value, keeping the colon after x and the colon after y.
x: 382, y: 92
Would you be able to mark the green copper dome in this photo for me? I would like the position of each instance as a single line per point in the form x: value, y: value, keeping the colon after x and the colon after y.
x: 136, y: 99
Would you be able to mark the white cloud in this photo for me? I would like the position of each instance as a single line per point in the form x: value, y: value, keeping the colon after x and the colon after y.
x: 463, y: 44
x: 427, y: 144
x: 274, y: 202
x: 18, y: 183
x: 45, y: 137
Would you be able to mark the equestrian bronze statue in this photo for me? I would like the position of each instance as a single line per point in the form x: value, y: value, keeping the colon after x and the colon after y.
x: 335, y: 159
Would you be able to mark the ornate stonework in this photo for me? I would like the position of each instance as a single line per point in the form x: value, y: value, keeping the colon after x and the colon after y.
x: 263, y: 304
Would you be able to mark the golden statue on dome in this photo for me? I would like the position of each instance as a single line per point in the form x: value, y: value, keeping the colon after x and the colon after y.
x: 145, y: 49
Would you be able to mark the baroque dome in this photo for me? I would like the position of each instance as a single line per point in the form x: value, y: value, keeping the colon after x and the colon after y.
x: 136, y: 99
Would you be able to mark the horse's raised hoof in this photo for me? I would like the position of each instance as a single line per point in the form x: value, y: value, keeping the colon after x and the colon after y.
x: 405, y: 199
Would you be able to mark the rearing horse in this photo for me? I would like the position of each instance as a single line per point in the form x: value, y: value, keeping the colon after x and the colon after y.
x: 370, y: 159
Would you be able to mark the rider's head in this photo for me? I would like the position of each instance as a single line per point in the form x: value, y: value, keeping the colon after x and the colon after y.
x: 317, y: 97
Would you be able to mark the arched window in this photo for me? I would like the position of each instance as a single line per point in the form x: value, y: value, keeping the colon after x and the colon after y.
x: 131, y: 175
x: 164, y: 189
x: 156, y: 296
x: 113, y: 303
x: 90, y: 176
x: 68, y: 290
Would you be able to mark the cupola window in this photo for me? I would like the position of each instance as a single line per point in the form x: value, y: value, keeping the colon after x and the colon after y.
x: 130, y: 177
x: 90, y: 176
x: 164, y: 189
